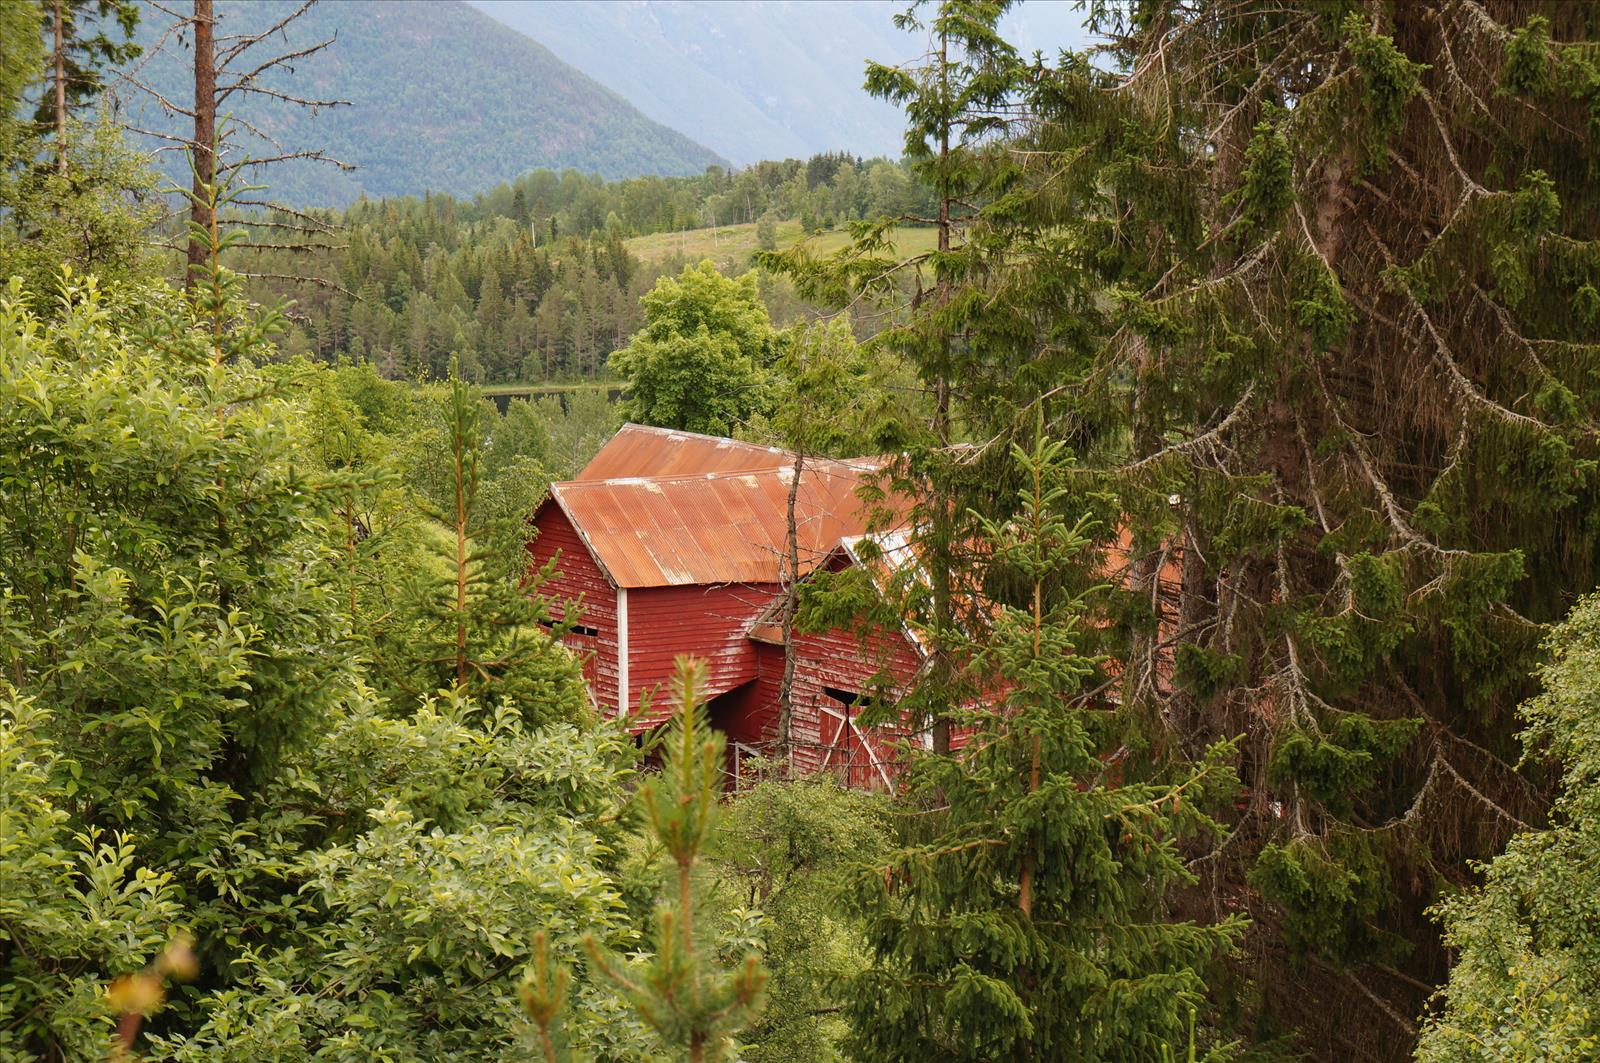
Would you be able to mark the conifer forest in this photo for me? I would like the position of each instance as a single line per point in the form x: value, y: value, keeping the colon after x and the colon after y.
x: 1113, y: 582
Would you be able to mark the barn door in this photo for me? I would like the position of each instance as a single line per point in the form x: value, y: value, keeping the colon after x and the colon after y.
x: 849, y: 751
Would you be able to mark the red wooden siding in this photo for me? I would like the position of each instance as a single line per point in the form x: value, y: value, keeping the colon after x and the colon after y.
x: 705, y: 622
x: 820, y: 738
x: 578, y: 575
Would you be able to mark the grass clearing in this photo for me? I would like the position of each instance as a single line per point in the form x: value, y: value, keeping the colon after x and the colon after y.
x: 730, y: 246
x: 547, y: 388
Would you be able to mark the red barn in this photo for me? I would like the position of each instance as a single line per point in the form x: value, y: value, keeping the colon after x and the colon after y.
x: 673, y: 543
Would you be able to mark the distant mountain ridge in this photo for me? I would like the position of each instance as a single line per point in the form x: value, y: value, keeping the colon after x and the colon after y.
x: 757, y: 80
x: 444, y: 99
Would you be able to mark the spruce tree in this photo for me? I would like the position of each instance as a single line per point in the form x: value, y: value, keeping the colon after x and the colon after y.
x: 1310, y: 287
x: 1347, y: 256
x: 21, y: 63
x: 958, y: 99
x: 81, y: 38
x: 1025, y: 915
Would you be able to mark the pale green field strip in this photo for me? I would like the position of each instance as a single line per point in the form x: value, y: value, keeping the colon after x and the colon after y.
x: 736, y: 243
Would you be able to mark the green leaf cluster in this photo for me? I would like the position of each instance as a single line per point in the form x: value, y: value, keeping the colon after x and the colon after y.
x: 702, y: 361
x: 1524, y: 984
x: 199, y: 742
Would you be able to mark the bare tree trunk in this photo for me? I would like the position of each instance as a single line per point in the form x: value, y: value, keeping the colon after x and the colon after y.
x: 791, y: 601
x: 223, y: 77
x: 203, y: 208
x: 943, y: 528
x: 61, y: 89
x: 1030, y: 856
x: 462, y: 544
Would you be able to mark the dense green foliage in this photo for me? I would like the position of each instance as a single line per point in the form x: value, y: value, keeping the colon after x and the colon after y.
x: 1341, y: 343
x: 826, y: 189
x: 835, y: 397
x: 533, y: 280
x: 93, y: 36
x: 1025, y: 913
x: 92, y: 218
x: 470, y: 616
x: 1528, y: 969
x: 70, y: 194
x: 702, y: 361
x: 21, y: 57
x: 786, y: 849
x: 193, y: 741
x: 419, y: 287
x: 1244, y: 410
x: 443, y: 98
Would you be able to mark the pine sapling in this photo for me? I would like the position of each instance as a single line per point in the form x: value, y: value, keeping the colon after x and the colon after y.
x: 543, y: 996
x: 680, y: 992
x: 475, y: 621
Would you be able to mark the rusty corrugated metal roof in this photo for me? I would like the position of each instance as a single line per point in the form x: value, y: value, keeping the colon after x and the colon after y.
x: 717, y: 527
x: 643, y: 450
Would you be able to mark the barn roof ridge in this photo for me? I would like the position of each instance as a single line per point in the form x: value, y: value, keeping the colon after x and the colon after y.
x: 657, y: 429
x: 840, y: 467
x: 648, y: 450
x: 706, y: 529
x: 706, y: 509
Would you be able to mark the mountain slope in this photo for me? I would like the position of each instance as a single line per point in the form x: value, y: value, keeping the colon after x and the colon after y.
x: 771, y: 80
x: 444, y: 99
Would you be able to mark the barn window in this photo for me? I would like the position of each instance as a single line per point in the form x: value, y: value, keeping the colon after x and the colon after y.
x: 576, y: 629
x: 850, y: 698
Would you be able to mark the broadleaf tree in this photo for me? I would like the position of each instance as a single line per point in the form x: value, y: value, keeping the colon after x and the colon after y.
x: 1527, y: 971
x: 702, y: 361
x: 192, y: 741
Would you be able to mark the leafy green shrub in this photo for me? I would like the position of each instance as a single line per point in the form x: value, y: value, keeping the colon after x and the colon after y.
x: 1527, y: 975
